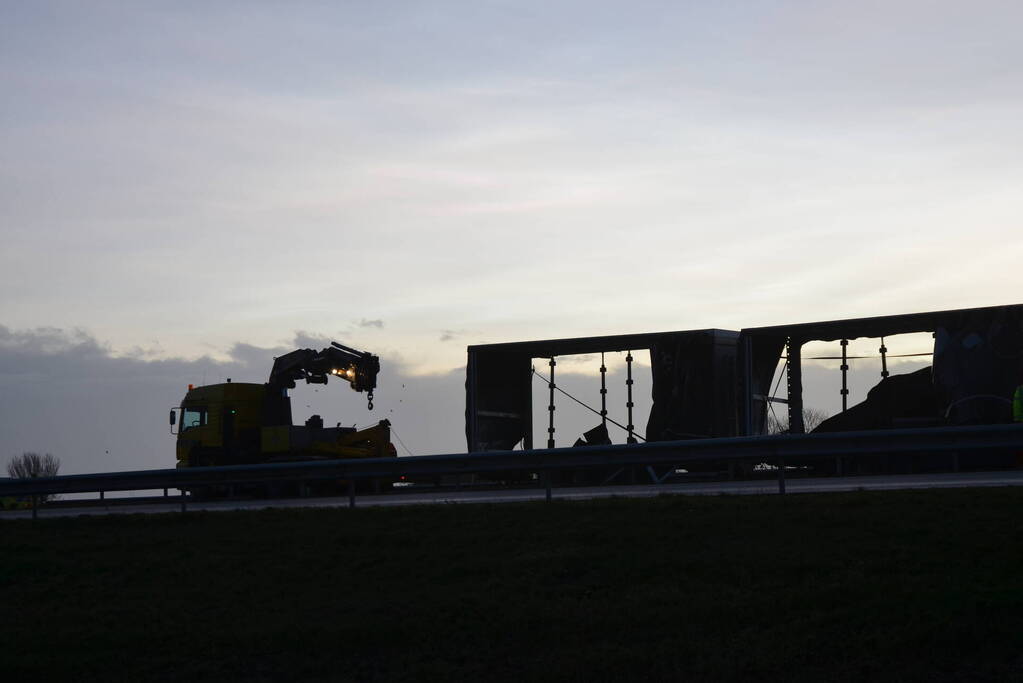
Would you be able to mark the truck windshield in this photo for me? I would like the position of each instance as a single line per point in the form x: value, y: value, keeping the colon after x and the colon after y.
x: 192, y: 417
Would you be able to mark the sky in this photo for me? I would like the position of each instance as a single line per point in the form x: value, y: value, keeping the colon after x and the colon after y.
x: 188, y: 188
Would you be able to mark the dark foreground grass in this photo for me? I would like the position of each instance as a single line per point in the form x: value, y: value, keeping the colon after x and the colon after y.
x: 906, y: 586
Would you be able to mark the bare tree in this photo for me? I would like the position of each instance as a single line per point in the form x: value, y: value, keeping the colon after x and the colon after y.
x: 30, y: 465
x: 812, y: 417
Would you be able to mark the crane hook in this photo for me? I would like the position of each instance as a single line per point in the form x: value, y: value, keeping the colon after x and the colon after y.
x: 370, y: 400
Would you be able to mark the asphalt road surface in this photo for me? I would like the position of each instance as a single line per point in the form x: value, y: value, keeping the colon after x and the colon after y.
x: 417, y: 496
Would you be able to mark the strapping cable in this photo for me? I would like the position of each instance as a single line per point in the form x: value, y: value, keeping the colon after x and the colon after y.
x: 400, y: 441
x: 592, y: 410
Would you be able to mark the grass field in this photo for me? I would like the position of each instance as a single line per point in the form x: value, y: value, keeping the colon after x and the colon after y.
x: 899, y: 586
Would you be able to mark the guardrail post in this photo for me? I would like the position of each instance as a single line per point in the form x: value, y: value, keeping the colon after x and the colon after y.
x: 845, y: 374
x: 351, y: 492
x: 628, y: 403
x: 102, y: 495
x: 781, y: 475
x: 603, y: 391
x: 547, y: 484
x: 35, y: 506
x: 183, y: 500
x: 165, y: 493
x: 550, y: 408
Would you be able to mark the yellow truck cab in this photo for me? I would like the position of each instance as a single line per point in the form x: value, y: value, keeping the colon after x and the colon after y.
x: 236, y: 423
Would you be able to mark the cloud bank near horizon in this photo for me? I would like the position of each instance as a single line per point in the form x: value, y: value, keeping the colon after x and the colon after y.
x: 65, y: 392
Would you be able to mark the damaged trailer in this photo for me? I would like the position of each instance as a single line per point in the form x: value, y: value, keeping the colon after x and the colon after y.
x: 692, y: 386
x: 717, y: 383
x: 977, y: 362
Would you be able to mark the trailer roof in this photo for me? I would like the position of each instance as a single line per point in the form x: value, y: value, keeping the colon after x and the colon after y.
x: 547, y: 348
x: 880, y: 326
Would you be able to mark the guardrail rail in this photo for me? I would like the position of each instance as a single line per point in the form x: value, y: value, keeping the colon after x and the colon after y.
x: 773, y: 450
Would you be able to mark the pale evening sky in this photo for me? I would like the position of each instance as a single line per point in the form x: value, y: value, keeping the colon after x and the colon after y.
x: 177, y: 178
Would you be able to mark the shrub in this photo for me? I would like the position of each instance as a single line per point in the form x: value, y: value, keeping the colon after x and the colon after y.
x: 30, y: 465
x: 811, y: 418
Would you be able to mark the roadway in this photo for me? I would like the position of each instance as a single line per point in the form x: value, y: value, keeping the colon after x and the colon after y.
x: 416, y: 496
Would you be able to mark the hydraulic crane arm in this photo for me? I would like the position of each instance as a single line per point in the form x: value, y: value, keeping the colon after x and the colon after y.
x: 358, y: 368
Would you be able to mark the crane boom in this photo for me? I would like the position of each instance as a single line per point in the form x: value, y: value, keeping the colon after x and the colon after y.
x: 358, y: 368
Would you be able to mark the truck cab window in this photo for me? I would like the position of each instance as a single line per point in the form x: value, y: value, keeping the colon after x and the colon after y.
x: 192, y: 417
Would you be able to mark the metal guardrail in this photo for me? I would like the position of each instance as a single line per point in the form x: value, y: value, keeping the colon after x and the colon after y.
x: 774, y: 450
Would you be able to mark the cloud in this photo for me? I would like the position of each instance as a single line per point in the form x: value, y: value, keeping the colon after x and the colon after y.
x: 51, y: 340
x: 65, y: 392
x: 581, y: 359
x: 377, y: 323
x: 303, y: 340
x: 447, y: 335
